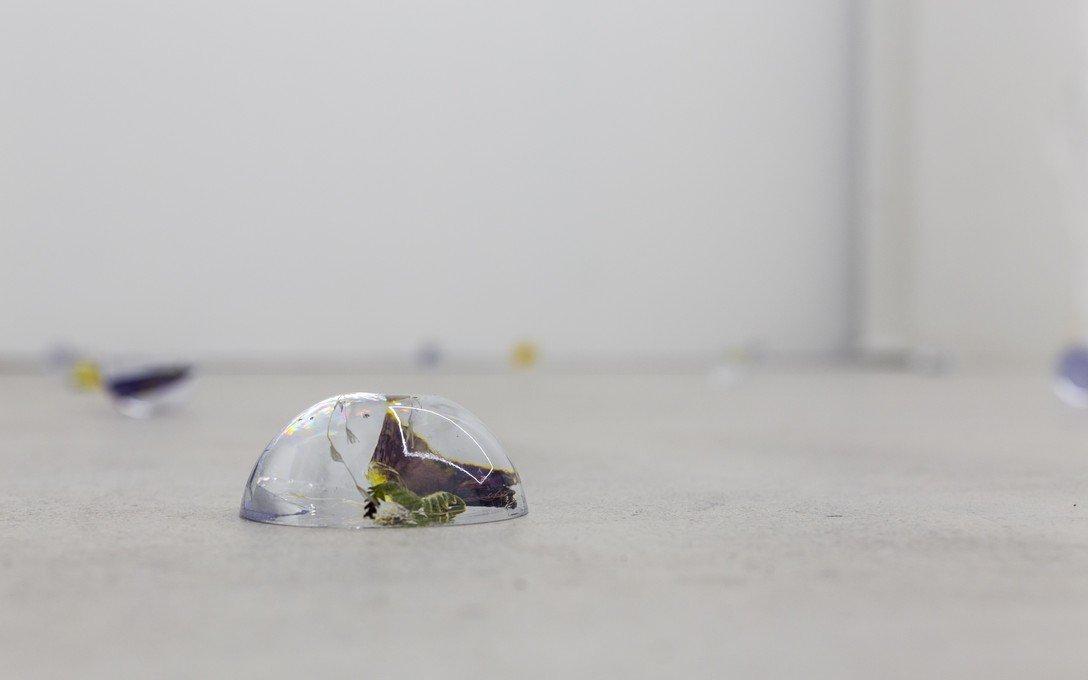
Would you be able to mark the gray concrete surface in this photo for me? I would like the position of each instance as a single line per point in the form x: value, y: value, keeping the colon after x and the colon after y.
x: 796, y: 525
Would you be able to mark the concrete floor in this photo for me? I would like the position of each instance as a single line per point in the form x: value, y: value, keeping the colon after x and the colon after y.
x: 794, y: 525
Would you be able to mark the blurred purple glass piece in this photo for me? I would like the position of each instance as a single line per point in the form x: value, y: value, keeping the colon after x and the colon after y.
x: 60, y: 358
x: 142, y: 392
x: 1071, y: 376
x: 428, y: 355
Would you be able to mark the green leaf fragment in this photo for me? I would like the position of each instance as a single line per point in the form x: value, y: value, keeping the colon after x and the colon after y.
x: 437, y: 507
x: 442, y: 506
x: 395, y: 493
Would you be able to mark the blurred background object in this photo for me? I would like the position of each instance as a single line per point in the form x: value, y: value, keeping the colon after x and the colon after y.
x: 428, y: 355
x: 60, y: 358
x: 524, y: 354
x: 1071, y: 376
x: 136, y: 388
x: 86, y: 375
x: 143, y: 391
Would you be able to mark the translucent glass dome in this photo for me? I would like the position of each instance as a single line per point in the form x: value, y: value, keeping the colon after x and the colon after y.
x: 372, y: 460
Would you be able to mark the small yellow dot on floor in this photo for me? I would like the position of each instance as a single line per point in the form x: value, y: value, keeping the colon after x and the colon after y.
x: 86, y: 376
x: 524, y: 354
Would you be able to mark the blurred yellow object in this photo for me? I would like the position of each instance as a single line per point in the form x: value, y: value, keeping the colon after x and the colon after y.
x: 736, y: 355
x: 524, y: 354
x: 86, y: 376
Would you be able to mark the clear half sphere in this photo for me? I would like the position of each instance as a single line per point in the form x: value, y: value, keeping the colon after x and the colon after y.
x: 1071, y: 376
x: 373, y: 460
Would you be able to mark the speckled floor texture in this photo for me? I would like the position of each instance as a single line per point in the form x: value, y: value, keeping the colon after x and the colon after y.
x: 814, y: 524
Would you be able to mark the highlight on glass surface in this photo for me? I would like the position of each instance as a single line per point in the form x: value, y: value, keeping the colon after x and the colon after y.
x: 372, y: 460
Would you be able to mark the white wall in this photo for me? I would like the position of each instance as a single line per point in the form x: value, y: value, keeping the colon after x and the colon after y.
x: 986, y: 196
x: 282, y: 178
x: 884, y: 171
x: 998, y: 86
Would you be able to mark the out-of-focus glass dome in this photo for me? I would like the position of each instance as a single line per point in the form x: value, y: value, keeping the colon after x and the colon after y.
x: 372, y: 460
x: 1071, y: 376
x: 140, y: 392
